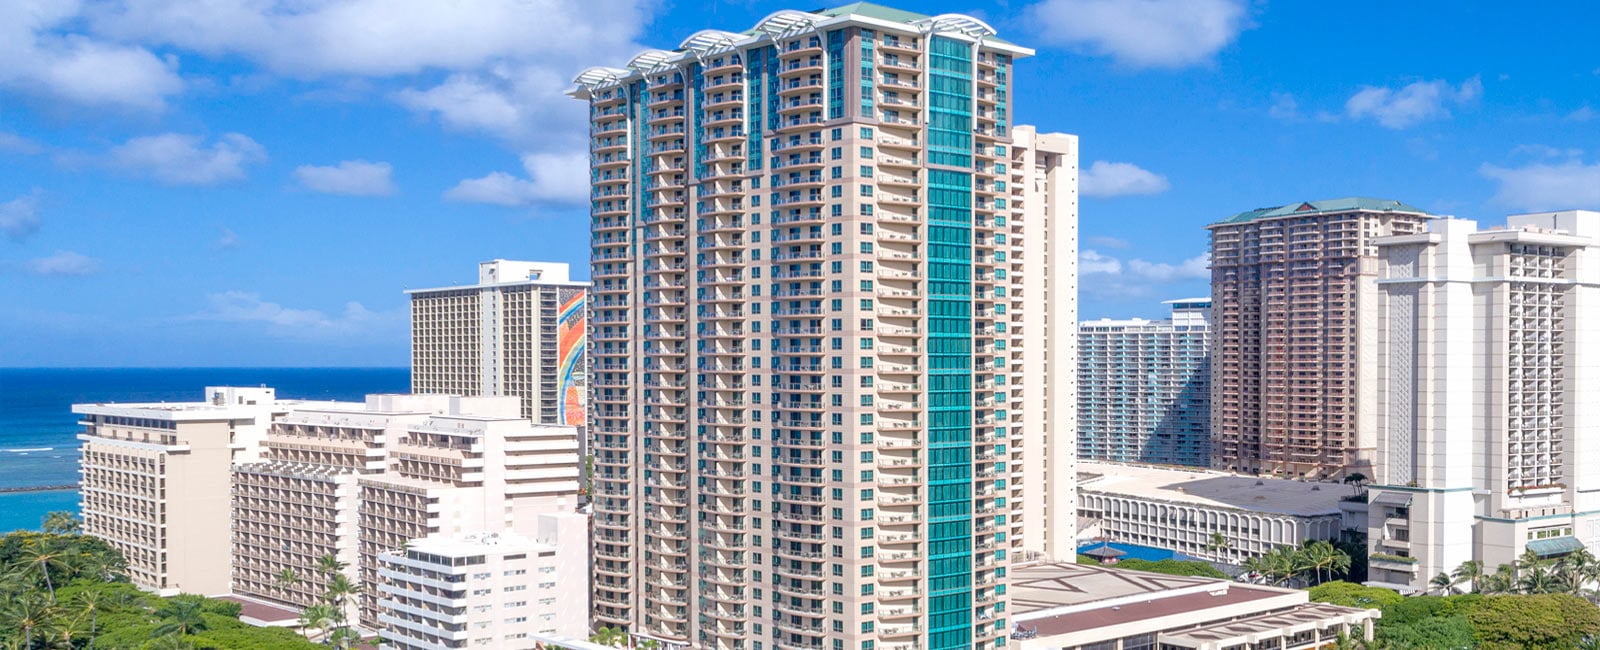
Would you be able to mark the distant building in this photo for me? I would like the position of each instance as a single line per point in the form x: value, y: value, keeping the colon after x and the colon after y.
x: 494, y: 590
x: 1180, y: 509
x: 1144, y: 388
x: 1294, y: 294
x: 520, y: 331
x: 1081, y: 607
x: 1488, y: 408
x: 155, y: 481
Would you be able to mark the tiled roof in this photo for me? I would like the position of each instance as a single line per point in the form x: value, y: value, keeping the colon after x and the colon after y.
x: 1329, y: 206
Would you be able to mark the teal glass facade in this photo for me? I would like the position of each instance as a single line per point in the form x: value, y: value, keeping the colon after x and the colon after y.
x: 950, y: 346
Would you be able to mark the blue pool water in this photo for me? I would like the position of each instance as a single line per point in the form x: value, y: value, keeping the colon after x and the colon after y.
x: 1137, y: 552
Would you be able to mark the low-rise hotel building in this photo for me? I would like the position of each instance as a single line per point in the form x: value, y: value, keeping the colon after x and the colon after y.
x: 498, y: 590
x: 1180, y: 509
x: 1081, y: 607
x: 155, y: 480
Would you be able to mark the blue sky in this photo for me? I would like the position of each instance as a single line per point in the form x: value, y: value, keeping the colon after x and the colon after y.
x: 255, y: 183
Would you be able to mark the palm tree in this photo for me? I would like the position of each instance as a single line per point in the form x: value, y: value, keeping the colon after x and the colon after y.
x: 169, y: 642
x: 609, y: 636
x: 319, y: 617
x: 1537, y: 580
x: 649, y: 644
x: 344, y: 638
x: 90, y: 602
x: 1470, y: 572
x: 329, y: 565
x: 1218, y: 543
x: 181, y: 615
x: 1321, y: 556
x: 1528, y: 561
x: 62, y: 522
x: 28, y: 615
x: 1502, y: 581
x: 35, y: 556
x: 1443, y: 583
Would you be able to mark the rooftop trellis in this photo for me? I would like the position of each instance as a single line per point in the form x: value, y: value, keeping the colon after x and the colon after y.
x: 788, y: 23
x: 959, y: 23
x: 710, y: 41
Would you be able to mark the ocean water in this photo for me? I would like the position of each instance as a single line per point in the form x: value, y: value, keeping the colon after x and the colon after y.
x: 38, y: 432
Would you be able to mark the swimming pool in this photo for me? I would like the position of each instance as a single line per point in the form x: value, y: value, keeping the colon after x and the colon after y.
x: 1137, y: 552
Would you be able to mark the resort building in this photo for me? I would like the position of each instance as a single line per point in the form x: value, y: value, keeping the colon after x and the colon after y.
x: 1144, y: 388
x: 495, y: 590
x: 299, y: 503
x: 357, y: 480
x: 1082, y: 607
x: 485, y: 471
x: 1488, y: 377
x: 834, y: 324
x: 520, y: 331
x: 1294, y: 292
x: 154, y: 481
x: 1182, y: 510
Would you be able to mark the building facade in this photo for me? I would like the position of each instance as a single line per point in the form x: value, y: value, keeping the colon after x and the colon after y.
x: 829, y: 275
x: 1144, y: 388
x: 1291, y: 375
x: 1489, y: 395
x: 1185, y: 510
x: 521, y: 331
x: 154, y: 482
x: 495, y: 590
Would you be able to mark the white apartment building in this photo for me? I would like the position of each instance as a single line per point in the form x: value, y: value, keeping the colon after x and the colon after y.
x: 484, y: 472
x: 1489, y: 395
x: 520, y: 331
x: 487, y: 590
x: 834, y: 334
x: 1144, y: 388
x: 1180, y: 509
x: 155, y: 481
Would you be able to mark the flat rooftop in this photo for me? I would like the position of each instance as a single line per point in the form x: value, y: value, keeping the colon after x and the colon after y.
x: 1076, y: 599
x: 1213, y: 489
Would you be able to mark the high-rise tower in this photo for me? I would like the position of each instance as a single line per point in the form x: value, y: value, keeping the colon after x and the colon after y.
x: 1144, y: 388
x: 1292, y: 384
x: 834, y: 317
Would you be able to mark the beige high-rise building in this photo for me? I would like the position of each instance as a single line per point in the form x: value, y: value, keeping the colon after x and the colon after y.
x: 1488, y: 369
x: 1294, y: 294
x: 520, y: 331
x: 834, y: 314
x: 155, y: 481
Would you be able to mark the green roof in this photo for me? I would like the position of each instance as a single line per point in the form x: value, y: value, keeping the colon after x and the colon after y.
x: 1350, y: 204
x: 872, y: 10
x: 1555, y: 546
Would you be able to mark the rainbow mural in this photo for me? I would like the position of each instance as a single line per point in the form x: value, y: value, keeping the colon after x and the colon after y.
x: 571, y: 325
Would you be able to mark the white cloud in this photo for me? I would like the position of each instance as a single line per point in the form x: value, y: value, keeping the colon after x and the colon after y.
x: 1583, y: 114
x: 178, y: 159
x: 1144, y: 33
x: 41, y: 54
x: 1091, y: 262
x: 350, y: 178
x: 1107, y: 179
x: 1104, y: 241
x: 378, y: 37
x: 19, y: 217
x: 1104, y: 276
x: 61, y: 264
x: 1413, y: 104
x: 17, y: 144
x: 247, y: 307
x: 556, y: 178
x: 229, y: 238
x: 1284, y: 107
x: 1546, y: 186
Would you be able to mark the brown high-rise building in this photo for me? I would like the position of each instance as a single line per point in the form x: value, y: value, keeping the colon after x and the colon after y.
x: 1293, y: 291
